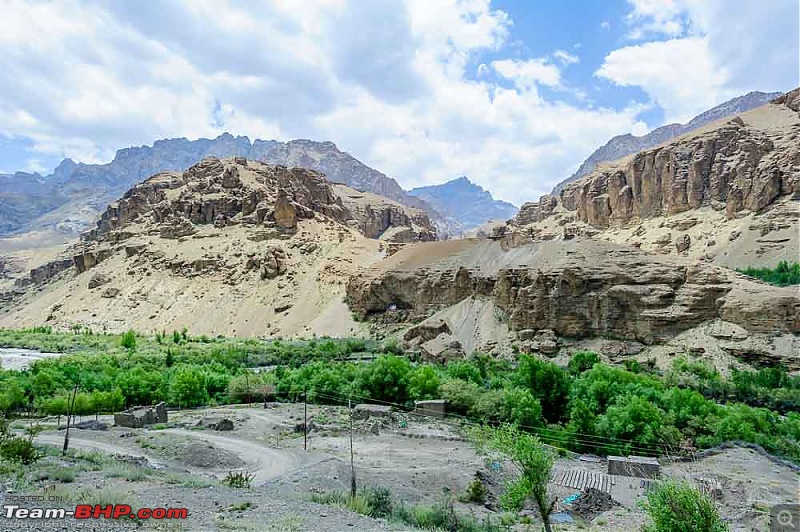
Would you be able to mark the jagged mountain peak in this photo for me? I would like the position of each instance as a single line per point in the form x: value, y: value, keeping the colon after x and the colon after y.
x: 464, y: 204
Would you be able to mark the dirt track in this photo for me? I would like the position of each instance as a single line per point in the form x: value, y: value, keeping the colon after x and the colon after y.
x: 416, y: 459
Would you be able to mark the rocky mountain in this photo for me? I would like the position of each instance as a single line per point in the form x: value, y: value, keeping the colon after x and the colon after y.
x: 634, y: 259
x: 238, y: 241
x: 69, y: 199
x: 727, y: 192
x: 623, y: 145
x: 459, y: 296
x: 464, y: 205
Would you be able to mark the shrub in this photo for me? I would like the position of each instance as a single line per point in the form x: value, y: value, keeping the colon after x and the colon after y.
x: 679, y: 507
x: 238, y: 479
x: 380, y: 502
x: 476, y: 492
x: 60, y: 474
x: 15, y: 448
x: 784, y: 274
x: 582, y: 361
x: 128, y: 340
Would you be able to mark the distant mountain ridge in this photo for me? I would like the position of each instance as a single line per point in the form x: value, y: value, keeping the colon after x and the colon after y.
x: 464, y: 205
x: 623, y: 145
x: 68, y: 199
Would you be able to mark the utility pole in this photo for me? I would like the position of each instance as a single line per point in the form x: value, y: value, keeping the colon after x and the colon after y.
x: 352, y: 460
x: 305, y: 420
x: 69, y: 415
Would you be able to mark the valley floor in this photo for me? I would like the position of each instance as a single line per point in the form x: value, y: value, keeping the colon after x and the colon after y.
x: 183, y: 464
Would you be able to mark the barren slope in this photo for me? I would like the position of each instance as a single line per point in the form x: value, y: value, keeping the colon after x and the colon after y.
x: 227, y: 247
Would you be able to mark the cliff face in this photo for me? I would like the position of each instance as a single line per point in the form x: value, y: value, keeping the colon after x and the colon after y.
x: 734, y: 167
x: 624, y: 145
x: 579, y: 289
x: 743, y: 164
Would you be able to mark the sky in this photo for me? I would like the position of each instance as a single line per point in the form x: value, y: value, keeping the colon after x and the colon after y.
x: 514, y: 94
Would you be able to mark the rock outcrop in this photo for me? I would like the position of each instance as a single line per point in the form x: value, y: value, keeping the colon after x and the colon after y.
x: 579, y: 288
x: 222, y: 192
x: 384, y: 219
x: 233, y: 192
x: 624, y: 145
x: 734, y: 167
x: 80, y: 192
x: 739, y: 176
x: 141, y: 416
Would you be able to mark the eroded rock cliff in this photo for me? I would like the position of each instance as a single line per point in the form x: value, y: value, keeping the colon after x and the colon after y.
x: 582, y: 288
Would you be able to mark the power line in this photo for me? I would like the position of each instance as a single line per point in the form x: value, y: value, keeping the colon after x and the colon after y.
x: 601, y: 439
x: 581, y: 438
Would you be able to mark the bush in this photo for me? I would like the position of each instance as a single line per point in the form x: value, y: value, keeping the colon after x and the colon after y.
x: 128, y: 340
x: 380, y: 502
x: 238, y: 479
x: 16, y: 449
x: 784, y: 274
x: 582, y: 361
x: 476, y: 492
x: 60, y: 474
x: 679, y: 507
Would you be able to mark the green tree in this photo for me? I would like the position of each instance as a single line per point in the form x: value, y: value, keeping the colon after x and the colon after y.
x: 141, y: 386
x: 638, y: 424
x: 188, y: 386
x: 532, y: 460
x: 678, y: 507
x: 547, y: 382
x: 128, y: 339
x: 12, y: 398
x: 582, y: 361
x: 386, y: 379
x: 423, y: 383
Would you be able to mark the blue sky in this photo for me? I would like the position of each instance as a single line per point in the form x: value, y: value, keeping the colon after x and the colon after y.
x: 513, y: 94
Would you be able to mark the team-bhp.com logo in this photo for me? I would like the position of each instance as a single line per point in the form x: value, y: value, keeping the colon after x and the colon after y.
x: 94, y: 511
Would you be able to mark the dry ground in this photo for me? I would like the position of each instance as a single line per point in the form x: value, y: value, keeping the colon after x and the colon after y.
x: 182, y: 464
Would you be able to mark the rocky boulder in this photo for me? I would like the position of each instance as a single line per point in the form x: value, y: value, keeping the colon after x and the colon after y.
x: 141, y: 416
x: 98, y: 279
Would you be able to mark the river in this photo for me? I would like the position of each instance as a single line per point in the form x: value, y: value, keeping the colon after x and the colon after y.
x: 17, y: 358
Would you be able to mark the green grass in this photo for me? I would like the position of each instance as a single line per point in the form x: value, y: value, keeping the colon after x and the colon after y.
x: 131, y: 473
x: 784, y: 274
x: 379, y: 503
x: 189, y: 481
x: 60, y: 474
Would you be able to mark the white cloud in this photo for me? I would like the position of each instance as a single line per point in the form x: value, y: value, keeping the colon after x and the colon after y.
x: 716, y: 49
x: 678, y: 74
x: 663, y: 17
x: 566, y: 58
x: 396, y: 82
x: 82, y: 79
x: 529, y: 73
